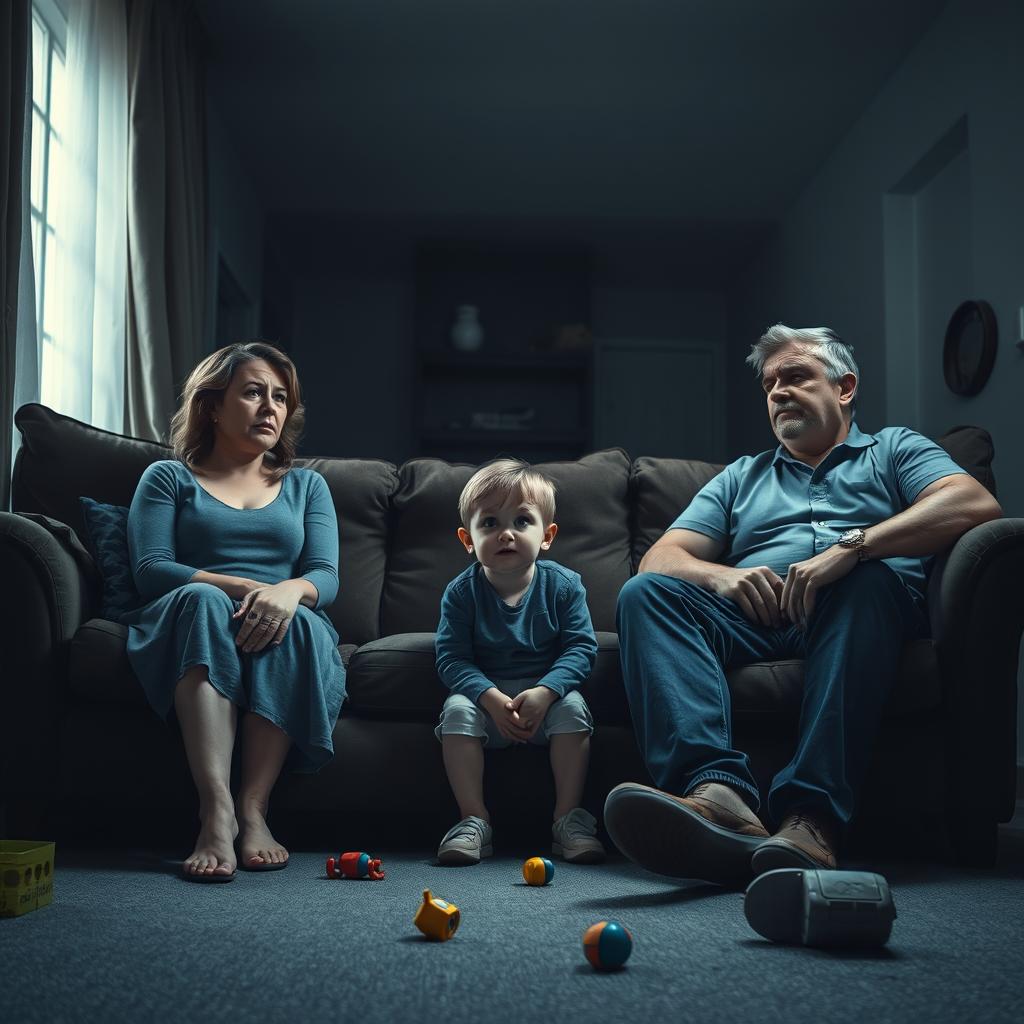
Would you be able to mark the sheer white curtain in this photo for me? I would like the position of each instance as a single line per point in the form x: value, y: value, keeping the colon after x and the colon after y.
x: 18, y: 375
x: 82, y: 370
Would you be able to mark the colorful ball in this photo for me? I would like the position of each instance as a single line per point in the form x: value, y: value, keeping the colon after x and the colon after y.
x: 607, y: 945
x: 538, y: 871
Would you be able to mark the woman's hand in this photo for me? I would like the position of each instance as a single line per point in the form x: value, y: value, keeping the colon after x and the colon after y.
x: 266, y: 612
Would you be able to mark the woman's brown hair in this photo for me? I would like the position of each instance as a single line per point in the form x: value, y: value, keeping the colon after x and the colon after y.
x: 192, y: 424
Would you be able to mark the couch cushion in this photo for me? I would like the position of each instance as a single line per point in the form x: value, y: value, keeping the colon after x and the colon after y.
x: 971, y: 448
x: 362, y: 490
x: 98, y: 668
x: 592, y: 514
x: 62, y: 459
x: 661, y: 489
x: 395, y: 677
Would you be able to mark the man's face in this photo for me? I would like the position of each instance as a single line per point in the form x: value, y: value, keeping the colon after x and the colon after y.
x: 805, y: 409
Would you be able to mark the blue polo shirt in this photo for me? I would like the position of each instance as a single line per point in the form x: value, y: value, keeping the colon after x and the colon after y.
x: 771, y: 509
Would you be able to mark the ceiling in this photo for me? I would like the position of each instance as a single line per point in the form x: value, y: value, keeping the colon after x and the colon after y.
x: 624, y: 120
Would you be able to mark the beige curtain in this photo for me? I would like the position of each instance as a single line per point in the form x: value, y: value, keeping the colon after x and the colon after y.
x: 166, y: 210
x: 17, y: 287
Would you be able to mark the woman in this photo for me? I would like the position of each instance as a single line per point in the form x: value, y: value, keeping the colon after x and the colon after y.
x: 236, y: 553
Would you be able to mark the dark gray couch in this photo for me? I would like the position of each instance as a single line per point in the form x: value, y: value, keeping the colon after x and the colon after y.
x: 83, y: 754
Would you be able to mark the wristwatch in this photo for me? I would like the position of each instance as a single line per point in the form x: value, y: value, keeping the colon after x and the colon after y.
x: 855, y: 539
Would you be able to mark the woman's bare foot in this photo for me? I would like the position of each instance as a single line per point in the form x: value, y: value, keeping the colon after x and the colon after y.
x: 215, y: 851
x: 257, y: 848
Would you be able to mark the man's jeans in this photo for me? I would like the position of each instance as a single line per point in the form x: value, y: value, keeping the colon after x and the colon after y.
x: 676, y: 639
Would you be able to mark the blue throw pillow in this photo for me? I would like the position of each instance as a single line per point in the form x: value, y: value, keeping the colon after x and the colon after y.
x: 107, y: 526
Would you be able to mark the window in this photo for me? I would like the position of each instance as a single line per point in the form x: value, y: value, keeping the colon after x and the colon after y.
x: 49, y: 33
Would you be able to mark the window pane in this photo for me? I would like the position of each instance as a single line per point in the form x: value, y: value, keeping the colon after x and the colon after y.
x: 37, y: 235
x: 54, y: 280
x: 39, y: 45
x: 56, y: 181
x: 38, y: 149
x: 49, y: 373
x: 57, y: 92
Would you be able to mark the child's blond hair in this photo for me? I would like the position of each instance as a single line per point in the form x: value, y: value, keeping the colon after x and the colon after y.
x: 505, y: 477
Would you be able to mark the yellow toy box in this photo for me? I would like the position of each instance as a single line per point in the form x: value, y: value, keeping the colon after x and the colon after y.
x: 26, y: 876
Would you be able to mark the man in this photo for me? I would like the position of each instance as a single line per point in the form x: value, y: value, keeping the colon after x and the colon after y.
x: 815, y: 550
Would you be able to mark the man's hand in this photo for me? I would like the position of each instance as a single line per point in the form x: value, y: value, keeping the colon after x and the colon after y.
x: 756, y: 589
x: 805, y: 579
x: 507, y: 720
x: 532, y: 705
x: 266, y: 612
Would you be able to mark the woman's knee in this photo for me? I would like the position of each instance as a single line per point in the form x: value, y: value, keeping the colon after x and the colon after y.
x: 206, y: 595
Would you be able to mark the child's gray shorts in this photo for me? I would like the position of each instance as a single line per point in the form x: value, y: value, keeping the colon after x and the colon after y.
x: 461, y: 717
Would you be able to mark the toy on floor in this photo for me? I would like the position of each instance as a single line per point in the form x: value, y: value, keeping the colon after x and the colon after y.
x: 354, y: 865
x: 607, y: 945
x: 538, y: 871
x: 837, y: 909
x: 437, y: 919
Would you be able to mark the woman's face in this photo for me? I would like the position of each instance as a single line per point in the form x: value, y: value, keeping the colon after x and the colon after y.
x: 253, y: 410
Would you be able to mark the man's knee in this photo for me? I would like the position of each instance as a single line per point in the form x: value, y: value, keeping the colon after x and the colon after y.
x: 649, y: 591
x: 641, y: 591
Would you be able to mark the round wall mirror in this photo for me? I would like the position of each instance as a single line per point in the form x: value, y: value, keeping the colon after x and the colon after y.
x: 969, y: 352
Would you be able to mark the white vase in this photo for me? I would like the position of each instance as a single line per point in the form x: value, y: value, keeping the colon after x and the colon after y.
x: 467, y: 334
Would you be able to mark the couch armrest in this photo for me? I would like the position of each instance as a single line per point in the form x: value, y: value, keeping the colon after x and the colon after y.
x: 46, y: 593
x: 978, y: 617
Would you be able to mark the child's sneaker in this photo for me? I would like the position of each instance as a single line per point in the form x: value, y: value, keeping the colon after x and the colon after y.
x: 575, y: 838
x: 466, y: 842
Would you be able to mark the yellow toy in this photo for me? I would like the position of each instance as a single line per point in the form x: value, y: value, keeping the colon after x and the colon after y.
x: 26, y: 876
x: 435, y: 918
x: 538, y: 871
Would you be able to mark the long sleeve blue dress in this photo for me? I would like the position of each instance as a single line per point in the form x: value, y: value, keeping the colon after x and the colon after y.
x: 175, y: 529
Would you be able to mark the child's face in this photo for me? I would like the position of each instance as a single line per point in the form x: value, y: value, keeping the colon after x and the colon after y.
x: 507, y: 535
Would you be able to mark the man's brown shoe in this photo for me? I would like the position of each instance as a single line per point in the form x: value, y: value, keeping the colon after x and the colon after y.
x: 801, y: 842
x: 710, y: 834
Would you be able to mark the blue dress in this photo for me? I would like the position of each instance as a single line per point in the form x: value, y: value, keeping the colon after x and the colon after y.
x: 175, y: 529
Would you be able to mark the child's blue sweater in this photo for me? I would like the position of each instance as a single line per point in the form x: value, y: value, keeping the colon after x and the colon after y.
x: 547, y: 635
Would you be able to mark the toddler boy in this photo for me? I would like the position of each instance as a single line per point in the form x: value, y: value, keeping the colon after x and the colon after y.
x: 513, y: 645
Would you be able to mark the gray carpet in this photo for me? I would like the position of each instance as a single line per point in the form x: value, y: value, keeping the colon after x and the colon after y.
x: 127, y: 940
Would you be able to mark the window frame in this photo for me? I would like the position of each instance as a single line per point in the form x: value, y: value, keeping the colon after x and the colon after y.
x: 52, y: 17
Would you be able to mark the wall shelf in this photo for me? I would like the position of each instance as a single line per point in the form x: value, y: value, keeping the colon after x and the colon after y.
x: 524, y: 296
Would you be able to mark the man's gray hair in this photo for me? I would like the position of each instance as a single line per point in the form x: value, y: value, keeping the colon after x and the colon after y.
x: 821, y: 342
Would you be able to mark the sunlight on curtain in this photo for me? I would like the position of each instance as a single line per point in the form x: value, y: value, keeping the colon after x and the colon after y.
x: 83, y: 314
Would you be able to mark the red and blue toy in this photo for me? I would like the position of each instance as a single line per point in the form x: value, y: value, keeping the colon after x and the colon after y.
x: 354, y: 865
x: 607, y: 945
